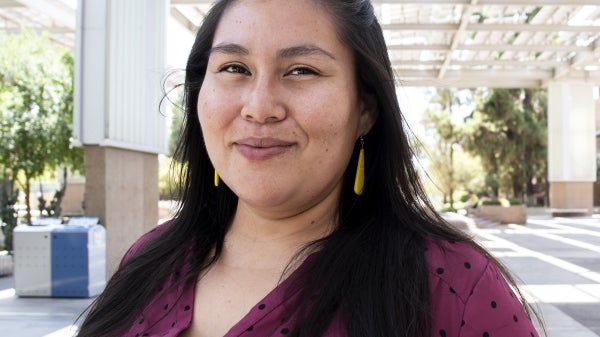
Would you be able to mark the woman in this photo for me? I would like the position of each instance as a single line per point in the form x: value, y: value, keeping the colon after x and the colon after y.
x: 301, y: 214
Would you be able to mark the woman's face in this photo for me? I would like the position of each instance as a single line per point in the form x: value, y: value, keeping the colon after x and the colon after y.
x: 279, y: 107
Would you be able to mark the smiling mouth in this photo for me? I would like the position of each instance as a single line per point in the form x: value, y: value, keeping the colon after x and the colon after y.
x: 262, y: 148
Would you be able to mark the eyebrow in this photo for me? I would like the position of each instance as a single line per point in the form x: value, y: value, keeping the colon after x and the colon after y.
x: 304, y: 50
x: 229, y: 48
x: 290, y: 52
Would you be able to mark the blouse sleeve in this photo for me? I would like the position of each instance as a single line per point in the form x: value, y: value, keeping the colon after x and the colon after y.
x: 493, y: 310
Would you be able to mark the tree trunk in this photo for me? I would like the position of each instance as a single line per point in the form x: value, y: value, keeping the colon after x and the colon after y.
x: 530, y: 191
x: 27, y: 200
x: 517, y: 188
x: 496, y: 191
x: 64, y: 186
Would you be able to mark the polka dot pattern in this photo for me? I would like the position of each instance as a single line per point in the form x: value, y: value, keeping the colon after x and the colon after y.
x: 469, y: 298
x: 481, y: 305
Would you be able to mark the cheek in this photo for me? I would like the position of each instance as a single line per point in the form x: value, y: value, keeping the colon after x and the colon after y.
x: 329, y: 119
x: 332, y: 141
x: 214, y: 112
x: 211, y: 121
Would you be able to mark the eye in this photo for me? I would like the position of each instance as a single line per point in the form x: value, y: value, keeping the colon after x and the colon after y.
x: 299, y: 71
x: 235, y: 69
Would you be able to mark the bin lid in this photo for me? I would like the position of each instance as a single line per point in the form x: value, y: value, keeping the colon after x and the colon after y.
x: 84, y: 220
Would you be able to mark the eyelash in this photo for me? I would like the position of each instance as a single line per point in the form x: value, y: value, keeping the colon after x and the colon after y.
x: 304, y: 70
x: 239, y: 69
x: 235, y: 69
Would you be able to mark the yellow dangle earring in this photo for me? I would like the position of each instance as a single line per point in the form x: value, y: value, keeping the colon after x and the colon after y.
x: 359, y: 180
x: 216, y: 178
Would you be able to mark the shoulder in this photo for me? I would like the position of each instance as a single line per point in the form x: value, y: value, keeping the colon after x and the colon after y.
x: 469, y: 294
x: 144, y: 239
x: 459, y: 265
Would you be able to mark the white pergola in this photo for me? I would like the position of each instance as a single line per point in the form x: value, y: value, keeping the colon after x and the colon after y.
x: 437, y: 43
x: 432, y: 43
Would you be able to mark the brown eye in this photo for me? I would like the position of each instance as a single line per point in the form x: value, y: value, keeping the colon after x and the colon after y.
x: 299, y: 71
x: 235, y: 69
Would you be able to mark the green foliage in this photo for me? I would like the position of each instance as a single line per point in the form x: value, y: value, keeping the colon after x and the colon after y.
x: 501, y: 202
x: 167, y: 184
x: 53, y: 208
x: 449, y: 166
x: 508, y: 132
x: 598, y: 167
x: 36, y: 108
x: 8, y: 212
x: 533, y: 14
x: 514, y: 202
x: 498, y: 148
x: 491, y: 202
x: 448, y: 209
x: 169, y: 168
x: 176, y: 121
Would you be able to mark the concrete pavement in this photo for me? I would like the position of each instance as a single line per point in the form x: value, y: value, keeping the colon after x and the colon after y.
x: 558, y: 259
x: 37, y: 317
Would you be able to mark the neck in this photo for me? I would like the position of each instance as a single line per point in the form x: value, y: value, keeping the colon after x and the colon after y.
x: 265, y: 242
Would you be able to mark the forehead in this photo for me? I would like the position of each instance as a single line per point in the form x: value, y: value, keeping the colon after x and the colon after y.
x: 276, y: 22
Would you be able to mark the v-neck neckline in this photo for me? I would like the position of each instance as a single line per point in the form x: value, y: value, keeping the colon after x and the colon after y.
x: 271, y: 302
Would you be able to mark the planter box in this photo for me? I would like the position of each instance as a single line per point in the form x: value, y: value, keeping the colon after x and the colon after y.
x: 512, y: 214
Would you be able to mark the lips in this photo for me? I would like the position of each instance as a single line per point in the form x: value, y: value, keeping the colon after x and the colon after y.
x: 262, y: 148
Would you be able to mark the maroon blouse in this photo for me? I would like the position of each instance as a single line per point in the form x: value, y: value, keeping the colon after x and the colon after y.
x: 469, y: 298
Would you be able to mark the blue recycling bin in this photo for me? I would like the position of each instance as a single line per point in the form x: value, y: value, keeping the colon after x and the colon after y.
x: 59, y: 260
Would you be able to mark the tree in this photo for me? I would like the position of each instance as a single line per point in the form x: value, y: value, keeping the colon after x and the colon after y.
x: 36, y: 109
x: 445, y: 123
x: 8, y: 213
x: 508, y: 132
x: 488, y: 138
x: 169, y: 168
x: 535, y: 149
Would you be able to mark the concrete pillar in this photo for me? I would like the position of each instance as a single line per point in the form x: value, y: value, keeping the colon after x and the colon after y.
x: 120, y: 64
x: 122, y: 189
x: 571, y: 147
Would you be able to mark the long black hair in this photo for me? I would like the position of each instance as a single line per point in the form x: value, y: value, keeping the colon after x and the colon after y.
x: 371, y: 269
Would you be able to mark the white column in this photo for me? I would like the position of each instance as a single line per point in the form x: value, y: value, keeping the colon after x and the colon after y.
x: 120, y: 63
x: 571, y: 147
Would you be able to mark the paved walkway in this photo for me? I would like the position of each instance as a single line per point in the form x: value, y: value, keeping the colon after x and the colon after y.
x: 37, y: 317
x: 557, y: 258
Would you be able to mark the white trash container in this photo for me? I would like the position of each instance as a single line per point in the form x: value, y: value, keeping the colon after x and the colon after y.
x: 59, y: 260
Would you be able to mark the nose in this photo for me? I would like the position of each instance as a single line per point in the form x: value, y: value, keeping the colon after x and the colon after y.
x: 262, y: 103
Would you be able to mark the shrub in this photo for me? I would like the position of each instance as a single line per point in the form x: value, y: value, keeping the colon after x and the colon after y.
x: 491, y: 202
x: 514, y: 202
x: 447, y: 209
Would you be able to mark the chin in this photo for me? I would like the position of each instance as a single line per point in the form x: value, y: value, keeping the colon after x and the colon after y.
x: 265, y: 199
x: 262, y: 201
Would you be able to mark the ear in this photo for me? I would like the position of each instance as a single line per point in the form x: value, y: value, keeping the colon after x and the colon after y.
x: 368, y: 113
